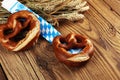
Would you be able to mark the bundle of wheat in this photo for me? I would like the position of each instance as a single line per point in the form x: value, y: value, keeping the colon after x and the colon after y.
x: 55, y: 10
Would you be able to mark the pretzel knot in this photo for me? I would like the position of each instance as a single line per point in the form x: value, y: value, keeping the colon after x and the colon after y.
x: 20, y: 32
x: 62, y: 45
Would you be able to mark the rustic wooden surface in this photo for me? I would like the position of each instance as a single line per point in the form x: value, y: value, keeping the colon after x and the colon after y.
x: 101, y: 25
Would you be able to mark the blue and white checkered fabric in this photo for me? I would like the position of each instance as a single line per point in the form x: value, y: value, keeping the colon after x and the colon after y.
x: 75, y: 51
x: 48, y: 32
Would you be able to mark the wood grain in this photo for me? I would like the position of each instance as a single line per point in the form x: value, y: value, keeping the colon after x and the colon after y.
x: 101, y: 25
x: 2, y: 74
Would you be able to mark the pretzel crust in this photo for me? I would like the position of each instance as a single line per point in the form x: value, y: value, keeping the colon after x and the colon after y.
x: 62, y: 44
x: 18, y: 22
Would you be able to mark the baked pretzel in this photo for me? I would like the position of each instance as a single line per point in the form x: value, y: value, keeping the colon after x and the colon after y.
x: 20, y: 32
x: 61, y: 46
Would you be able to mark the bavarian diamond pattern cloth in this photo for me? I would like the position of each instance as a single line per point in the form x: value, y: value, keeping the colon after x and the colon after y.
x: 47, y: 30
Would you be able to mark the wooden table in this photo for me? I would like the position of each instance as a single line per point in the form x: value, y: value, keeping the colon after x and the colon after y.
x: 101, y: 25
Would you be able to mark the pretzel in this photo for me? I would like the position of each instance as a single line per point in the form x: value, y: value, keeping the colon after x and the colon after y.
x: 20, y: 32
x: 61, y: 46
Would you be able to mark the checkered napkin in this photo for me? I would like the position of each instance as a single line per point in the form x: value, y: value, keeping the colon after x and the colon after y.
x: 47, y: 30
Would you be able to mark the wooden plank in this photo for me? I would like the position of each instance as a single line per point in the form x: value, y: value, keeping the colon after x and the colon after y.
x: 2, y: 74
x: 114, y: 5
x: 101, y: 25
x: 18, y: 67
